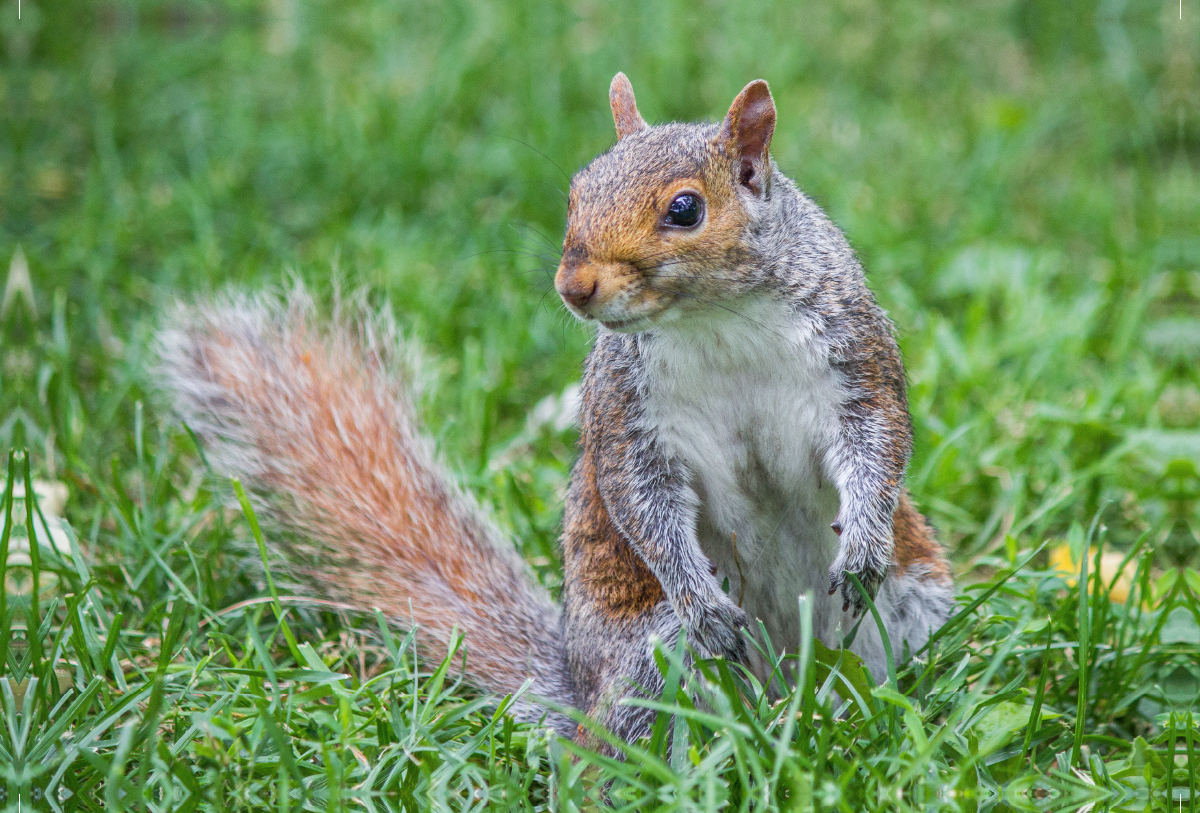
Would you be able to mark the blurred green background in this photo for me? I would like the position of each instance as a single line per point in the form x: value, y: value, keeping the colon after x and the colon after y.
x: 1019, y: 178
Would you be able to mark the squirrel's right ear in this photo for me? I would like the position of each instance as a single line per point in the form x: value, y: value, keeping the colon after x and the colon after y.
x: 746, y: 135
x: 624, y: 107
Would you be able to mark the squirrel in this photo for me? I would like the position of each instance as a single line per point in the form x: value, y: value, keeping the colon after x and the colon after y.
x: 744, y: 420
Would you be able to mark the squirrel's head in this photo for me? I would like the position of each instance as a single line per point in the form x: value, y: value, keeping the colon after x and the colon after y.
x: 656, y: 226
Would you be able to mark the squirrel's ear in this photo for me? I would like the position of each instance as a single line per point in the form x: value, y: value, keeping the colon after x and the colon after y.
x: 746, y: 134
x: 624, y: 107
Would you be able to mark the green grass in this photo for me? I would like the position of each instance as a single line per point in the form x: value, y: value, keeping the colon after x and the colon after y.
x: 1019, y: 178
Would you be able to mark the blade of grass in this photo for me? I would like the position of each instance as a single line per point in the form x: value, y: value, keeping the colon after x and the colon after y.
x: 35, y: 560
x: 1193, y: 767
x: 5, y: 535
x: 256, y: 530
x: 806, y: 672
x: 883, y: 635
x: 1084, y: 642
x: 1035, y: 715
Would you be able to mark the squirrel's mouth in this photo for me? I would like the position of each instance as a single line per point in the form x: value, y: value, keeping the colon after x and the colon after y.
x: 646, y: 317
x: 620, y: 325
x: 635, y: 325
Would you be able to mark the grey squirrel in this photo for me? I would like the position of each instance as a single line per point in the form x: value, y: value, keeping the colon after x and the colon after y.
x: 744, y: 419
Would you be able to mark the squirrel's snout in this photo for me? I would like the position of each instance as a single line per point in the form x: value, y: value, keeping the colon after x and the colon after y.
x: 576, y: 284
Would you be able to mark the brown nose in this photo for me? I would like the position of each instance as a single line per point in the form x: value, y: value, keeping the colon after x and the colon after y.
x: 576, y: 284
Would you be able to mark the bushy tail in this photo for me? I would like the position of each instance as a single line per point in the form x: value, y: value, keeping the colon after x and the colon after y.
x: 315, y: 418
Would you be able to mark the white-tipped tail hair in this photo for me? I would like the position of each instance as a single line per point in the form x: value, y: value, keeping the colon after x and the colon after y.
x: 316, y: 417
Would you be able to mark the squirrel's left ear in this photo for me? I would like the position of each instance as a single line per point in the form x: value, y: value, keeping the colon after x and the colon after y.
x: 624, y: 107
x: 746, y: 134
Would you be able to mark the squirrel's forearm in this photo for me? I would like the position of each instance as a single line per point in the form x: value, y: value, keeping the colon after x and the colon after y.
x: 655, y: 511
x: 650, y: 502
x: 648, y: 499
x: 869, y: 495
x: 867, y: 462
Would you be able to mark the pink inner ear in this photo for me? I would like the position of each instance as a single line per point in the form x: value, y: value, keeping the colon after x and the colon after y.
x: 747, y: 133
x: 749, y: 126
x: 756, y: 125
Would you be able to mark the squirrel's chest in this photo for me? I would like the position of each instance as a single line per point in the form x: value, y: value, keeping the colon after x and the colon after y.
x: 753, y: 431
x: 752, y: 422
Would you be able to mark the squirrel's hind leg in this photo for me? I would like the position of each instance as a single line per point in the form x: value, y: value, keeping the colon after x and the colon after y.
x: 912, y: 605
x: 612, y: 660
x: 916, y: 597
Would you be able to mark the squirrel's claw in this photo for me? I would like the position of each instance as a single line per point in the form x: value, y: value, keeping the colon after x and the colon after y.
x: 852, y: 599
x: 858, y: 553
x: 717, y: 631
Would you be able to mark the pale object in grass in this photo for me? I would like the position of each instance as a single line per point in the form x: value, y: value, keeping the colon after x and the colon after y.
x: 1063, y: 562
x: 51, y: 498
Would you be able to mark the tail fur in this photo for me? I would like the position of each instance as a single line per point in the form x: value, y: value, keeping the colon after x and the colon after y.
x: 315, y: 417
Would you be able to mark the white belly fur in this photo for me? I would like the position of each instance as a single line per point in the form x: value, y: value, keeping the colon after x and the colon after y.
x: 750, y: 405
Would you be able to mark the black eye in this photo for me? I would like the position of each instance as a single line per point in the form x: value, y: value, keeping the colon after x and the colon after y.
x: 686, y: 210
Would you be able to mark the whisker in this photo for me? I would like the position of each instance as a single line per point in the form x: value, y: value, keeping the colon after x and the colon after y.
x: 539, y: 152
x: 656, y: 274
x: 535, y: 255
x: 691, y: 276
x: 650, y: 263
x: 544, y: 240
x: 561, y: 193
x: 555, y: 247
x: 546, y: 293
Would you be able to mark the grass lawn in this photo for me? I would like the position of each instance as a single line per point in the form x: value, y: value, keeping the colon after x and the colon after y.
x: 1021, y: 180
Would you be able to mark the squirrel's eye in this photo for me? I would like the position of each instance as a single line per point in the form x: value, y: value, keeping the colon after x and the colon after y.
x: 685, y: 210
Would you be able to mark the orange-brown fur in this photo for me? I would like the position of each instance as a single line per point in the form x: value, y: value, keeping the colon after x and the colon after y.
x: 598, y: 560
x: 612, y: 252
x: 916, y: 544
x: 317, y: 422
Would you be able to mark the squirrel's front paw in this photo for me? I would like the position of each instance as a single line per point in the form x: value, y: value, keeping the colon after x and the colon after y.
x: 871, y: 575
x: 715, y: 628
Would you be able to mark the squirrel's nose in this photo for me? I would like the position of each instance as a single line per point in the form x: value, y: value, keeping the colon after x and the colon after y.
x: 575, y: 285
x: 579, y: 294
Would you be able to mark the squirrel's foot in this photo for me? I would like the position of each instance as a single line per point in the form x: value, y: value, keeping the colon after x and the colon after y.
x: 870, y: 574
x: 715, y: 628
